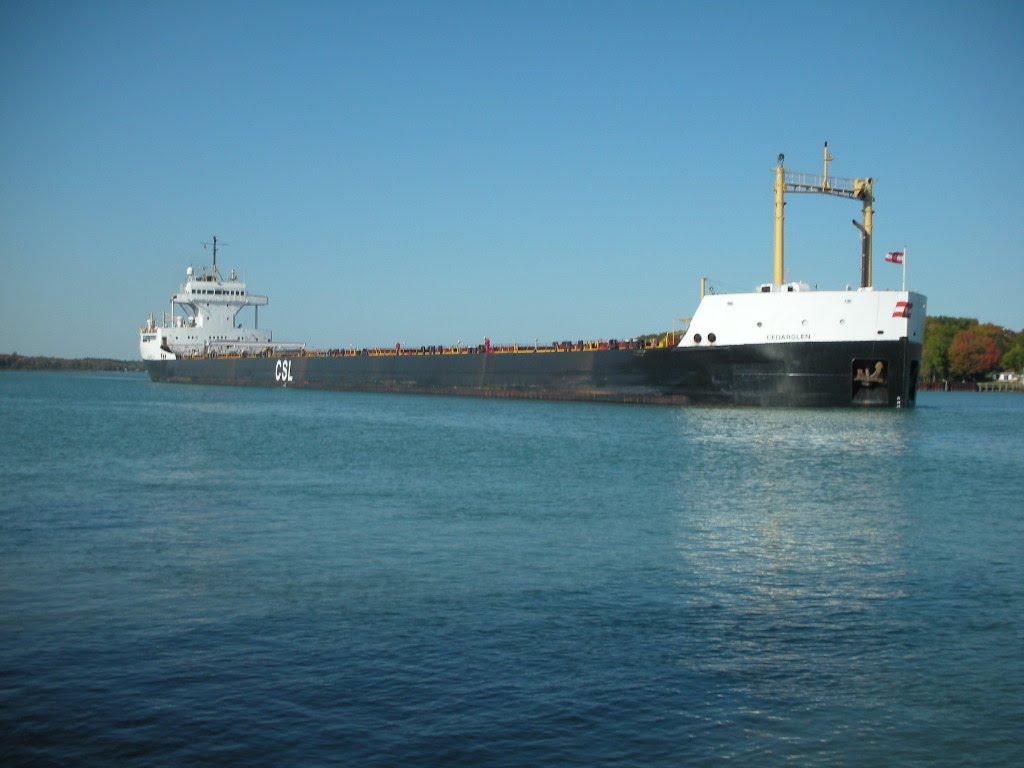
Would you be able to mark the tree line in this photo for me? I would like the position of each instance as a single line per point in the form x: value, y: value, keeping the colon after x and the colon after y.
x: 962, y: 349
x: 18, y: 362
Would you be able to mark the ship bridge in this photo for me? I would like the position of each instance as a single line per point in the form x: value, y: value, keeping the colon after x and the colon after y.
x: 213, y: 303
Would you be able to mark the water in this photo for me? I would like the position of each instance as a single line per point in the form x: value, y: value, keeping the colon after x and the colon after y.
x: 198, y: 576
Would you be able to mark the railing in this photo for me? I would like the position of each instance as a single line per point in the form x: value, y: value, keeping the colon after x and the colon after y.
x: 1001, y: 386
x: 274, y: 350
x: 809, y: 182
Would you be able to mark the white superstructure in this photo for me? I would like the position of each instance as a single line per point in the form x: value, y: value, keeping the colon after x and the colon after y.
x: 794, y: 313
x: 208, y: 324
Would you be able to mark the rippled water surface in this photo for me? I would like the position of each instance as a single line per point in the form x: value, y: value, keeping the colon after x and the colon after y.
x: 194, y: 575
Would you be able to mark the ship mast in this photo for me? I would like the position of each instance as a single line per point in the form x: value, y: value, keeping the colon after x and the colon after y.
x: 853, y: 189
x: 214, y: 244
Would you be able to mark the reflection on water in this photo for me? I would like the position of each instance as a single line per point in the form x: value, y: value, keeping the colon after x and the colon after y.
x: 792, y: 548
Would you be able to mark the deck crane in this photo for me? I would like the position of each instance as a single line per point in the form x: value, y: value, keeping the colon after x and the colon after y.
x: 853, y: 189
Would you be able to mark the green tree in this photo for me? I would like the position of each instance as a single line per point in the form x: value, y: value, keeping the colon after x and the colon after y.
x: 1013, y: 360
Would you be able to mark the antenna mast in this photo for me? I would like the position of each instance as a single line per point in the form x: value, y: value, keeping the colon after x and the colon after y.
x: 214, y: 244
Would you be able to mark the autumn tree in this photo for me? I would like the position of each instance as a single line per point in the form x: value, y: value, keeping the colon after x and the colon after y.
x: 973, y: 353
x: 1002, y: 337
x: 938, y: 336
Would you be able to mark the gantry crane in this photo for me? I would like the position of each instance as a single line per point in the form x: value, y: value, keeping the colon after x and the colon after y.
x: 854, y: 189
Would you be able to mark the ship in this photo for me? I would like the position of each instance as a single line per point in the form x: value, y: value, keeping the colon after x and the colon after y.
x: 784, y: 344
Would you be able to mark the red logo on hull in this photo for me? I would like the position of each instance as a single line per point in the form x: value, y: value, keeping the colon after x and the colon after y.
x: 902, y: 309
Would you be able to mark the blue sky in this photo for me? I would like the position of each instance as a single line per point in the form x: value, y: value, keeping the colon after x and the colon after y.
x: 429, y: 172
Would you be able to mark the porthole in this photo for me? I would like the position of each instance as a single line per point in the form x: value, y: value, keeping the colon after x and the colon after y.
x: 696, y: 338
x: 711, y: 338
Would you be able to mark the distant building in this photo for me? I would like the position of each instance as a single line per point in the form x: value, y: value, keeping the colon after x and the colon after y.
x: 1008, y: 376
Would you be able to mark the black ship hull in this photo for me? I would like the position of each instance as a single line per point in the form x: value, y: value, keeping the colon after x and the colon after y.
x: 825, y: 374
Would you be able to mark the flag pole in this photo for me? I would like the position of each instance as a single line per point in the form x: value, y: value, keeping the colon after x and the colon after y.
x: 904, y: 267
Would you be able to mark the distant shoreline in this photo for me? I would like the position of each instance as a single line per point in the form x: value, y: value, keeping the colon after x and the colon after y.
x: 16, y: 362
